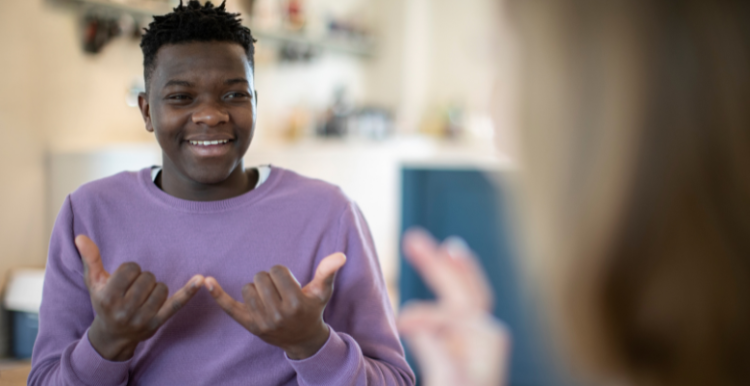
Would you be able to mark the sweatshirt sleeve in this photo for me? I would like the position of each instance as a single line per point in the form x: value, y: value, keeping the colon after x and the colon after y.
x: 62, y: 352
x: 363, y: 347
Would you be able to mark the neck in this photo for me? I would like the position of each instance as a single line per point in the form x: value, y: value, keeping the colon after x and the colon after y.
x: 237, y: 183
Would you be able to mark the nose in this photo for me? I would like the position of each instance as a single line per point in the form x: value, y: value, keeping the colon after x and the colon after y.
x: 210, y: 114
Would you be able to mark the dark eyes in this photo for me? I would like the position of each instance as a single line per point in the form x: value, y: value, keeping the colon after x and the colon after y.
x: 234, y: 96
x: 178, y: 97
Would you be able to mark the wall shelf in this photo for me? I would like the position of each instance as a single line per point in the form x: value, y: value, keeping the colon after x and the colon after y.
x: 138, y: 9
x: 359, y: 47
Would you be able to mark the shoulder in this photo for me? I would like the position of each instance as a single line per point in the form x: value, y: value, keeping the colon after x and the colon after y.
x: 115, y: 187
x: 310, y: 192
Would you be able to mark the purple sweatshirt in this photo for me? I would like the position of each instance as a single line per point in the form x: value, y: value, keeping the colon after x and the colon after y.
x: 289, y: 220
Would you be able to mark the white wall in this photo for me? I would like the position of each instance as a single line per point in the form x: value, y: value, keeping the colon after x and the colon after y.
x: 464, y: 52
x: 21, y: 160
x: 439, y: 53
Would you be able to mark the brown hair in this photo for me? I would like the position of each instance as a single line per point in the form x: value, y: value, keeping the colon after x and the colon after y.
x: 637, y: 142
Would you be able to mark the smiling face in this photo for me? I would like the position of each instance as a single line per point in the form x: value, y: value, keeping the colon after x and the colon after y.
x: 201, y: 107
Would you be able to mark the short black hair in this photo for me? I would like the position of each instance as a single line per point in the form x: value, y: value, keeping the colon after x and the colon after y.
x: 194, y: 23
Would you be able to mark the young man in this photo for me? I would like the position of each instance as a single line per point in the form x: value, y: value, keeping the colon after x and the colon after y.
x: 203, y: 219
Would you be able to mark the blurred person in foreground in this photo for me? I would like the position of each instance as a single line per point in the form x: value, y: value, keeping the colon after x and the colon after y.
x: 636, y: 173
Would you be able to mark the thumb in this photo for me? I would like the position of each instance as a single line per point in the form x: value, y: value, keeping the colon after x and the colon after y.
x: 93, y: 270
x: 321, y: 285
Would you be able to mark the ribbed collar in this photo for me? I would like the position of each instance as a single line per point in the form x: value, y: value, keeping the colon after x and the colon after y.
x: 159, y: 196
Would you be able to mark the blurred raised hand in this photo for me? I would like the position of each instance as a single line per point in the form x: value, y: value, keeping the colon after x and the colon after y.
x: 455, y: 338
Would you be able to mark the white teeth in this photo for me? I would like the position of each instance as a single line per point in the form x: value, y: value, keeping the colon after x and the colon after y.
x: 207, y: 143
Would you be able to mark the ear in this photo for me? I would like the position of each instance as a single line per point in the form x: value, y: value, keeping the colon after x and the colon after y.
x: 145, y: 111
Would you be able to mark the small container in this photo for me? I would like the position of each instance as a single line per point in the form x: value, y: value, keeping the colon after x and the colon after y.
x: 23, y: 297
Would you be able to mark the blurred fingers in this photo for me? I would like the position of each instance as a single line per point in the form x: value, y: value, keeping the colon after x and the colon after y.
x: 420, y: 248
x: 454, y: 347
x: 436, y: 364
x: 431, y: 263
x: 434, y: 266
x: 423, y: 316
x: 450, y: 270
x: 470, y: 272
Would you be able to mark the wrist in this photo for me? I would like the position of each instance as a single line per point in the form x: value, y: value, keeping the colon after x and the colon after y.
x: 311, y: 346
x: 109, y: 347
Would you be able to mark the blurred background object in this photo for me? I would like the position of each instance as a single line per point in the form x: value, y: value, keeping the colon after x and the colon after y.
x: 23, y: 297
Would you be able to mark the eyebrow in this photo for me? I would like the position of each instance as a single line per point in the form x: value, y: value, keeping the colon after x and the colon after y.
x: 176, y: 82
x: 235, y: 81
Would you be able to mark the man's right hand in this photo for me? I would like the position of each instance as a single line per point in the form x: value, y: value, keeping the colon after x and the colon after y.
x: 130, y: 305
